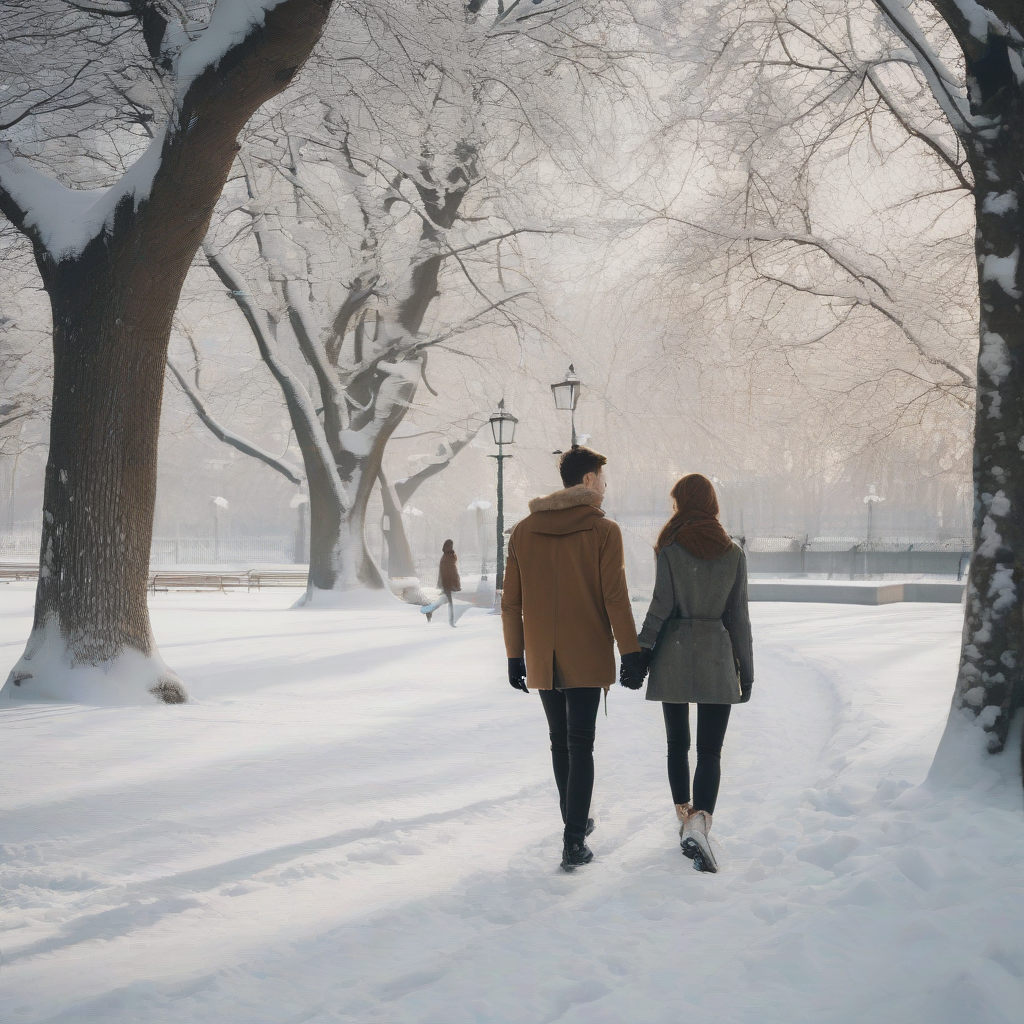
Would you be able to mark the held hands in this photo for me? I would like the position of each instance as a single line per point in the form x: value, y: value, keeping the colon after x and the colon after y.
x: 517, y: 673
x: 634, y: 668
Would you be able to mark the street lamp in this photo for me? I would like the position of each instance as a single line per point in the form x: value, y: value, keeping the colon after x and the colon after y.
x: 218, y: 504
x: 566, y: 394
x: 300, y: 502
x: 871, y: 499
x: 480, y: 507
x: 503, y: 429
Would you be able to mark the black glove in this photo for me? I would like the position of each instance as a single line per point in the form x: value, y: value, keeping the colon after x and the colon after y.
x: 517, y: 673
x: 745, y: 692
x: 633, y: 669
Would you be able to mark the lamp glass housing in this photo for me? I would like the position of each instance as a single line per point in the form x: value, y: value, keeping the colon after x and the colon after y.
x: 567, y: 392
x: 503, y: 427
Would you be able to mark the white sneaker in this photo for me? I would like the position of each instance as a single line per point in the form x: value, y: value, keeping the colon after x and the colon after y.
x: 693, y: 838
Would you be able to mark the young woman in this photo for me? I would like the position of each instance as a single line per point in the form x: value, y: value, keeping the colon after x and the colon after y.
x: 448, y: 582
x: 698, y: 630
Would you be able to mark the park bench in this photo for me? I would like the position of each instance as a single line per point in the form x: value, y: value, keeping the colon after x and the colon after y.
x: 194, y: 581
x: 259, y: 578
x: 11, y: 572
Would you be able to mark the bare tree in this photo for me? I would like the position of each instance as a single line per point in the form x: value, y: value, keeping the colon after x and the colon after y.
x: 113, y: 263
x: 369, y: 230
x: 983, y: 100
x: 941, y: 81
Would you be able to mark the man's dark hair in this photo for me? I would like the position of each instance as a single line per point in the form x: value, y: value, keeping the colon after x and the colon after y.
x: 577, y: 462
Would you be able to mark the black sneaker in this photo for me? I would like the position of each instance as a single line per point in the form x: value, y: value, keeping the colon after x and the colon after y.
x: 574, y: 853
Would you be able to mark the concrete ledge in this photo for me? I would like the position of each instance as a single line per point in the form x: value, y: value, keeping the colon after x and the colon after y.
x: 940, y: 593
x: 868, y: 593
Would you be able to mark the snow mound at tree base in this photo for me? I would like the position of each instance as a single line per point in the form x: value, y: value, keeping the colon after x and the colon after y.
x: 963, y: 761
x: 351, y: 600
x: 45, y: 673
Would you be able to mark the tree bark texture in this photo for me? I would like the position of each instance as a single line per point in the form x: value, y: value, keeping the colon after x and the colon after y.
x: 989, y: 682
x: 112, y: 310
x: 990, y: 124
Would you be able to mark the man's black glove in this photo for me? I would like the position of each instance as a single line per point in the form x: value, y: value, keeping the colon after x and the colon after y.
x: 517, y: 673
x: 633, y: 669
x: 745, y: 692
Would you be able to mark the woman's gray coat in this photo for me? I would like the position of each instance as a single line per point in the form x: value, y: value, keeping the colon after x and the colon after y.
x: 699, y: 626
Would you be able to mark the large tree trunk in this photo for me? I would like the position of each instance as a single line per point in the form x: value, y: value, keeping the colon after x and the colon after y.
x: 338, y: 555
x: 112, y: 310
x: 109, y: 340
x: 989, y: 683
x: 339, y: 558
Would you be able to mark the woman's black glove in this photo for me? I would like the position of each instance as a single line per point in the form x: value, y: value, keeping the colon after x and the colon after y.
x: 745, y: 692
x: 517, y: 673
x: 633, y: 669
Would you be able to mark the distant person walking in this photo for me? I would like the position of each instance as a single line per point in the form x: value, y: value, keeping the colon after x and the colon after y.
x: 565, y: 594
x: 698, y: 627
x: 448, y: 582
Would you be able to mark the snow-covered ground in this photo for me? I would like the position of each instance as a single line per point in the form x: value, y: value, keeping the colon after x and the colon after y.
x: 356, y: 822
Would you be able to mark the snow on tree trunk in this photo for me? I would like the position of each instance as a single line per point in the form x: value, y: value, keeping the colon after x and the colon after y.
x: 111, y: 326
x: 991, y: 125
x: 989, y: 679
x: 339, y: 558
x: 114, y: 271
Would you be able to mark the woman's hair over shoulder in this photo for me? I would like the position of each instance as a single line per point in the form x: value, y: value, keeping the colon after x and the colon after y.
x: 694, y: 524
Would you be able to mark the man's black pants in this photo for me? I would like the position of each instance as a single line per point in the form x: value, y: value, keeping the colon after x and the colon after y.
x: 572, y: 724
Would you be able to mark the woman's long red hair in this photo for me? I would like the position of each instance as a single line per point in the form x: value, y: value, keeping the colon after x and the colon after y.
x: 695, y: 522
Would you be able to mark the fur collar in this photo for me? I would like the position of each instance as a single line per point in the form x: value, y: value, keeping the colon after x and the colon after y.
x: 568, y: 497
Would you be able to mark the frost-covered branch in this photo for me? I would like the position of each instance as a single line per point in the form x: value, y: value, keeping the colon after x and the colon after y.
x: 297, y: 398
x: 230, y: 437
x: 945, y: 86
x: 955, y: 165
x: 470, y: 322
x: 405, y: 488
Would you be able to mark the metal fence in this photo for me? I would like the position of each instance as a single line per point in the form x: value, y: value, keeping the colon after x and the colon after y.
x: 225, y: 550
x: 827, y: 557
x: 22, y: 544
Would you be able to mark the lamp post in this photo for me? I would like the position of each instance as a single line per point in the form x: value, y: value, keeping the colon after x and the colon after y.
x: 479, y: 508
x: 503, y: 428
x: 566, y: 394
x: 871, y: 499
x: 300, y: 502
x: 218, y: 504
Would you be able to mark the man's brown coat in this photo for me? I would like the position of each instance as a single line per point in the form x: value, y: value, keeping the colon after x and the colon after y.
x: 565, y: 592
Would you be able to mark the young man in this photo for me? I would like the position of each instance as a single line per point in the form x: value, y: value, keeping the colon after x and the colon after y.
x: 565, y: 593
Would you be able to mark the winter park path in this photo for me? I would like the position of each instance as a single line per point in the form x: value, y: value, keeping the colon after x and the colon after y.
x: 356, y: 822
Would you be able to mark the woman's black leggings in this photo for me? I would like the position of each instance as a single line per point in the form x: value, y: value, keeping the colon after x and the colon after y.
x: 712, y: 721
x: 572, y: 725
